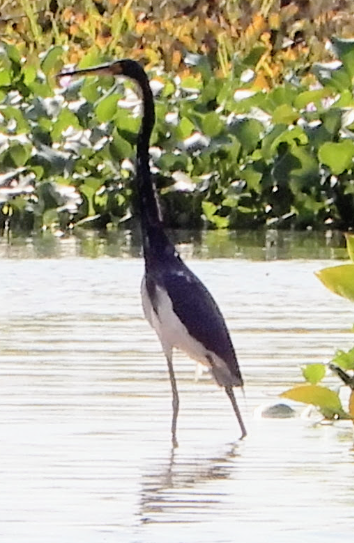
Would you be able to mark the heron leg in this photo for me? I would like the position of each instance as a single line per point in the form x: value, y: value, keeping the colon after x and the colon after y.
x: 175, y: 399
x: 230, y: 392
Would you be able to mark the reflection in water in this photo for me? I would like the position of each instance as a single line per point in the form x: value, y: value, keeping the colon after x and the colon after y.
x: 255, y: 245
x: 180, y: 472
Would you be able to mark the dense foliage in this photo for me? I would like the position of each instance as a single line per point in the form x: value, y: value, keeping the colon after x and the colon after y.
x: 250, y: 130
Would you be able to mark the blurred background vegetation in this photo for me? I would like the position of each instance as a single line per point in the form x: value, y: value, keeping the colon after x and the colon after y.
x: 254, y: 101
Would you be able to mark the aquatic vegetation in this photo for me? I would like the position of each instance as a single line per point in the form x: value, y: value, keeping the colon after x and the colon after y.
x: 340, y: 280
x: 251, y: 131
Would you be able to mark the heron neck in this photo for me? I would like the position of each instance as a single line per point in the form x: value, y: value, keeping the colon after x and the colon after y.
x: 148, y: 203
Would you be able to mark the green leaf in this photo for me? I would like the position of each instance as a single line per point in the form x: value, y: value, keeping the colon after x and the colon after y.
x: 20, y: 153
x: 89, y: 90
x: 89, y: 189
x: 51, y: 58
x: 285, y: 114
x: 168, y: 90
x: 337, y: 156
x: 332, y: 120
x: 248, y: 132
x: 344, y: 359
x: 106, y: 108
x: 336, y: 78
x: 209, y: 210
x: 339, y: 279
x: 314, y: 373
x: 29, y: 74
x: 50, y: 218
x: 221, y: 222
x: 191, y: 83
x: 311, y: 96
x: 255, y: 55
x: 171, y: 162
x: 120, y: 148
x: 316, y: 395
x: 210, y: 91
x: 252, y: 178
x: 212, y: 125
x: 5, y: 78
x: 14, y: 113
x: 344, y: 49
x: 65, y: 119
x: 308, y: 167
x: 282, y: 134
x: 184, y: 129
x: 296, y: 164
x: 40, y: 88
x: 281, y: 95
x: 91, y: 58
x: 12, y: 51
x: 19, y: 203
x: 126, y: 123
x: 349, y: 238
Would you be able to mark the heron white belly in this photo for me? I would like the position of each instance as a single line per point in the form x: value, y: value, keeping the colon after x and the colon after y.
x: 172, y: 332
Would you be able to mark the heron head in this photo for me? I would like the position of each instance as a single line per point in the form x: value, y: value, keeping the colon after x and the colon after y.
x: 125, y: 67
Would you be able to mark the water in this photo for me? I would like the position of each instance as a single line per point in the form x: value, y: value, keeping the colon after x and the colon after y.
x: 85, y: 452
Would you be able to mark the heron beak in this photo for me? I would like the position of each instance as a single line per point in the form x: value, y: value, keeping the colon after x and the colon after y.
x: 113, y: 68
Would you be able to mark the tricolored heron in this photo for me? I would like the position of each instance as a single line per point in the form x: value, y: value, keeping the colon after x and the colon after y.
x: 175, y: 302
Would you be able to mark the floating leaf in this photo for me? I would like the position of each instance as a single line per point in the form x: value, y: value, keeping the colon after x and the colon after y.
x: 339, y: 279
x: 316, y: 395
x: 314, y: 373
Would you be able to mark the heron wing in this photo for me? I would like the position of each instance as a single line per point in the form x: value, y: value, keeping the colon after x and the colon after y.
x: 197, y: 310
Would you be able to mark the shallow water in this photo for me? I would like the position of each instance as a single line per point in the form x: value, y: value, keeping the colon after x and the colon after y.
x: 85, y: 452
